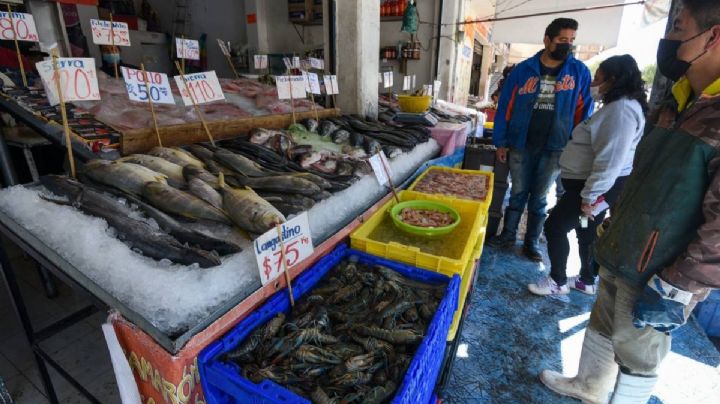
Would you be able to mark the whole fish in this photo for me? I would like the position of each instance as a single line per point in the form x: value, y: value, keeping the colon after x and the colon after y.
x: 206, y: 156
x: 319, y: 181
x: 326, y: 128
x: 190, y: 172
x: 248, y: 210
x: 328, y: 166
x: 173, y: 171
x: 181, y: 203
x: 127, y: 177
x: 281, y: 183
x: 310, y: 124
x: 281, y: 143
x: 340, y: 136
x: 296, y: 151
x: 137, y: 234
x: 354, y: 152
x: 176, y: 155
x: 260, y: 135
x: 204, y: 191
x: 239, y: 163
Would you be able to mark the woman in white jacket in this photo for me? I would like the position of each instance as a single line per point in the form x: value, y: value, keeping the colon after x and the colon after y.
x: 594, y: 165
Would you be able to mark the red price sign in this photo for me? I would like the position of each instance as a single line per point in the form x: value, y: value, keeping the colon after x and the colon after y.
x: 102, y: 34
x: 297, y: 245
x: 77, y: 78
x: 21, y: 24
x: 202, y: 87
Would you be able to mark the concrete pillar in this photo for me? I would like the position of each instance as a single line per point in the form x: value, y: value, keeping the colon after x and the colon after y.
x: 257, y: 33
x: 357, y: 25
x: 447, y: 55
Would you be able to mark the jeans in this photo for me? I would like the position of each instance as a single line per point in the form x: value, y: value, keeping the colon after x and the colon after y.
x: 564, y: 218
x: 533, y: 172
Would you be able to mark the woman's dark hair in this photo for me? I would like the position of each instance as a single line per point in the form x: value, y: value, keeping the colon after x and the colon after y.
x: 627, y: 80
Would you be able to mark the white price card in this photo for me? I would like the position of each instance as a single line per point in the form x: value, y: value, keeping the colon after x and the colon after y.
x: 203, y: 86
x: 413, y: 81
x: 314, y: 83
x: 306, y: 79
x: 380, y: 78
x: 287, y: 85
x: 436, y: 88
x: 406, y: 83
x: 119, y: 35
x: 331, y: 85
x: 297, y: 243
x: 388, y: 79
x: 376, y: 162
x: 224, y: 47
x: 296, y: 62
x: 261, y: 62
x: 153, y: 84
x: 77, y: 77
x: 22, y: 24
x: 316, y: 63
x: 187, y: 49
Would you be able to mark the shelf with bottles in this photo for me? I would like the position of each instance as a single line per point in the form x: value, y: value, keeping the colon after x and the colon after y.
x: 392, y: 9
x: 406, y: 51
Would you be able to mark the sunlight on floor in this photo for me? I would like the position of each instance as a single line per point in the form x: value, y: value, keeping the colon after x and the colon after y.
x: 678, y: 370
x: 569, y: 323
x: 570, y: 352
x: 462, y: 351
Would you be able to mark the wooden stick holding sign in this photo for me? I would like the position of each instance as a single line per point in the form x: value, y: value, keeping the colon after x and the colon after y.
x: 152, y: 108
x: 17, y: 47
x: 63, y: 113
x: 112, y: 46
x: 225, y: 49
x: 284, y: 264
x: 194, y: 103
x: 292, y: 99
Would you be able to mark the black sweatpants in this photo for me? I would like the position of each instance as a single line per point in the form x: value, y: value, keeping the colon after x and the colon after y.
x: 565, y: 217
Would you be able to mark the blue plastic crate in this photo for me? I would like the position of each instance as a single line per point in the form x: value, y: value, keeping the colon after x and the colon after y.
x: 222, y: 382
x: 707, y: 314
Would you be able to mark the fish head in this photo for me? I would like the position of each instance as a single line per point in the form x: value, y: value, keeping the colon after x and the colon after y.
x: 260, y: 135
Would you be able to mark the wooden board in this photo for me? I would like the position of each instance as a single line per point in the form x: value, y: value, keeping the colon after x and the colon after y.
x: 142, y: 140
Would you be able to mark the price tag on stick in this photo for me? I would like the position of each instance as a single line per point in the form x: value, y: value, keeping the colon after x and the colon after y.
x: 77, y: 78
x: 187, y: 48
x: 406, y: 83
x: 290, y: 87
x: 137, y: 83
x: 204, y: 87
x: 20, y: 26
x: 103, y: 34
x: 381, y: 168
x: 314, y: 83
x: 261, y: 62
x: 317, y: 63
x: 296, y: 240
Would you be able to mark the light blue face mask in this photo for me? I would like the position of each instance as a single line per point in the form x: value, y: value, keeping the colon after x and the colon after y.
x: 111, y: 58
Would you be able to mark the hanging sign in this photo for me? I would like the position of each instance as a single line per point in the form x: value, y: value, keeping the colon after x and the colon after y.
x: 314, y: 83
x: 23, y: 24
x: 297, y: 242
x: 379, y: 163
x: 261, y: 62
x: 155, y: 85
x: 187, y: 49
x: 331, y: 86
x: 78, y: 79
x: 289, y: 87
x: 101, y: 33
x: 204, y: 87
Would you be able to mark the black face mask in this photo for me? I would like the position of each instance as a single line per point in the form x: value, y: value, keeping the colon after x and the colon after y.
x: 667, y: 61
x: 561, y: 52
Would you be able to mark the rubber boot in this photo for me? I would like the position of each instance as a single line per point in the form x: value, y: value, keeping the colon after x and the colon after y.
x: 596, y: 373
x: 633, y: 389
x: 531, y: 247
x: 507, y: 237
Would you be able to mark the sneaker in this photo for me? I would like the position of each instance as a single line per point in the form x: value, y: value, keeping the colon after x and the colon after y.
x: 547, y: 286
x: 579, y: 285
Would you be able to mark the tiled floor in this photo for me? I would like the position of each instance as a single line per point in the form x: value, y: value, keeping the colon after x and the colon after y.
x: 80, y: 349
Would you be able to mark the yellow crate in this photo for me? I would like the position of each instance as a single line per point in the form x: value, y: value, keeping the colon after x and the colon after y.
x: 490, y: 180
x: 466, y: 281
x: 448, y: 255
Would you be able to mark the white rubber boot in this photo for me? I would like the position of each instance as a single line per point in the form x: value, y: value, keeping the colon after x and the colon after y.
x: 596, y: 374
x: 633, y: 389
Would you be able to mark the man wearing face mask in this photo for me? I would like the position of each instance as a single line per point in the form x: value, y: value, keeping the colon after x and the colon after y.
x: 543, y: 99
x: 661, y: 253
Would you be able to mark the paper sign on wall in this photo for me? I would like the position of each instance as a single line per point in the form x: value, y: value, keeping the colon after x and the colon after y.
x: 261, y: 62
x: 224, y: 47
x: 187, y: 49
x: 388, y: 79
x: 297, y: 243
x: 331, y: 85
x: 287, y: 85
x: 203, y: 86
x: 316, y: 63
x: 78, y: 79
x: 314, y: 83
x: 376, y: 162
x: 23, y: 24
x: 140, y: 86
x: 101, y: 33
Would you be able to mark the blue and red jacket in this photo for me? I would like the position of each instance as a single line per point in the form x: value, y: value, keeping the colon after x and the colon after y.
x: 573, y: 103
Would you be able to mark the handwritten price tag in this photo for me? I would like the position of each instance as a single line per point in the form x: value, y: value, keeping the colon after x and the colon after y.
x: 331, y: 85
x: 407, y: 80
x: 137, y: 86
x: 436, y: 88
x: 298, y: 246
x: 224, y: 47
x: 261, y: 62
x: 387, y: 79
x: 187, y: 49
x: 24, y: 25
x: 376, y: 162
x: 413, y: 81
x: 290, y: 84
x: 314, y: 83
x: 101, y: 33
x: 204, y: 88
x: 317, y: 63
x: 77, y: 76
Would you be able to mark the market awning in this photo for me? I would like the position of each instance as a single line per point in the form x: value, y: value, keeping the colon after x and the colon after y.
x: 598, y: 26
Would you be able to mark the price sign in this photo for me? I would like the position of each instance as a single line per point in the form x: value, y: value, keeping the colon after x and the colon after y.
x: 314, y: 83
x: 290, y: 84
x: 297, y: 242
x: 224, y: 47
x: 23, y: 24
x: 413, y: 81
x: 387, y: 79
x: 187, y: 49
x: 376, y: 162
x: 316, y: 63
x: 77, y: 76
x: 261, y: 62
x: 152, y: 84
x: 436, y: 88
x: 331, y: 85
x: 306, y: 79
x: 101, y: 33
x: 407, y: 80
x: 380, y: 78
x: 204, y: 87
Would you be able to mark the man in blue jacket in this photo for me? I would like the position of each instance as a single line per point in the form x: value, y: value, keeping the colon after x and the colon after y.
x: 541, y: 102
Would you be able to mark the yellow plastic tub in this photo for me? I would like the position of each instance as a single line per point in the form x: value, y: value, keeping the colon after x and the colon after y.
x: 485, y: 203
x: 415, y: 104
x: 467, y: 279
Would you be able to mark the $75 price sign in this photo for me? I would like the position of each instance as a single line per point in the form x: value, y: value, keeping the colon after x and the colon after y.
x: 203, y: 86
x: 153, y: 84
x: 77, y: 76
x: 296, y: 240
x: 23, y: 24
x: 101, y: 33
